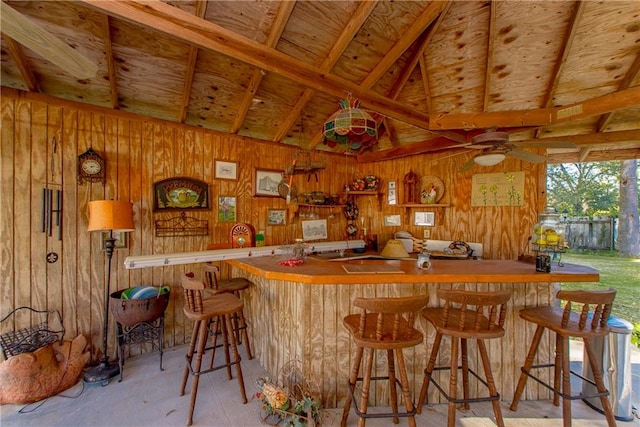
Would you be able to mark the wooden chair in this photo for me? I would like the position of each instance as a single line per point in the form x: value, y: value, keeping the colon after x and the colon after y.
x: 233, y: 285
x: 383, y: 324
x: 588, y: 323
x: 204, y: 311
x: 466, y: 315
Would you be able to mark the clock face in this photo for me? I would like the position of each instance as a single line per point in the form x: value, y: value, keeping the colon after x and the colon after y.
x: 91, y: 167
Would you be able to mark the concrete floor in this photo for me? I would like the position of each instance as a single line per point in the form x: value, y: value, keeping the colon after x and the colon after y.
x: 149, y: 397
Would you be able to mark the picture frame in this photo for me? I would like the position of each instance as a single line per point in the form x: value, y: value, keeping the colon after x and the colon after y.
x: 424, y: 218
x: 227, y: 209
x: 276, y: 216
x: 122, y: 239
x: 265, y: 182
x: 314, y: 230
x: 392, y: 220
x: 225, y: 169
x: 180, y: 193
x: 392, y: 193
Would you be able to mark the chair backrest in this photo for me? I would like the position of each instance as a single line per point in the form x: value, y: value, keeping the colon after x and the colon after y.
x: 594, y: 307
x: 477, y: 307
x: 242, y: 235
x: 193, y: 290
x: 211, y: 276
x: 400, y: 311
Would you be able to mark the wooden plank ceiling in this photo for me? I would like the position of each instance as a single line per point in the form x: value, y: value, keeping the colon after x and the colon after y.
x: 434, y: 74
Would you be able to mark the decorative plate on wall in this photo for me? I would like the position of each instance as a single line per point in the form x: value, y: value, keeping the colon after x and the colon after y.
x: 431, y: 190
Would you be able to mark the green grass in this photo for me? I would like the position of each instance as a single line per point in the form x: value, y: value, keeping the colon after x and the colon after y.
x: 620, y: 273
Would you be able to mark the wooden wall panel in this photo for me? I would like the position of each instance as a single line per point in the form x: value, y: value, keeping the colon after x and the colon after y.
x: 140, y: 151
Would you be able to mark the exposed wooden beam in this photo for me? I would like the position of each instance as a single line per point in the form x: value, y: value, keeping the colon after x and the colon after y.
x: 629, y: 77
x: 35, y: 37
x: 491, y: 38
x: 595, y: 156
x: 183, y: 26
x: 192, y: 59
x: 563, y: 53
x: 542, y: 116
x: 111, y: 66
x: 591, y: 139
x: 16, y: 53
x: 432, y: 145
x: 284, y: 12
x: 410, y: 35
x: 350, y: 30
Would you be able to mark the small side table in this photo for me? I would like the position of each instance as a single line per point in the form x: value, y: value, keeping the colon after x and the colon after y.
x: 140, y: 333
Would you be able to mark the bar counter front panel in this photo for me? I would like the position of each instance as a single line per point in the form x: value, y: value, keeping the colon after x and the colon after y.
x: 297, y: 312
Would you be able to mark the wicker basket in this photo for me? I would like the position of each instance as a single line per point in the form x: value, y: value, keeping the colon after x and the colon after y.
x: 129, y: 312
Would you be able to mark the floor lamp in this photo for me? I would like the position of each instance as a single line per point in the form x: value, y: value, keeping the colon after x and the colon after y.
x: 107, y: 215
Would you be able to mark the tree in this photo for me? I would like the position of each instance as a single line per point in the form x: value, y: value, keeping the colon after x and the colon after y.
x: 583, y: 189
x: 628, y: 227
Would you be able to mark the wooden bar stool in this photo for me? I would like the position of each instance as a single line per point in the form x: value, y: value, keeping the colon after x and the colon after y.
x: 466, y: 315
x: 588, y: 323
x: 233, y: 285
x: 382, y: 325
x: 204, y: 311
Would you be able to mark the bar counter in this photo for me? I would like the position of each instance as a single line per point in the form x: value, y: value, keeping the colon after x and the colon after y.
x: 297, y: 312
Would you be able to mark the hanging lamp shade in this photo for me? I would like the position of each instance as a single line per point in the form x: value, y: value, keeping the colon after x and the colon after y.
x: 350, y: 125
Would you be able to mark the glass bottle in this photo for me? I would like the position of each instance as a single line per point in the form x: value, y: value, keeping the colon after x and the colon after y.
x: 548, y: 232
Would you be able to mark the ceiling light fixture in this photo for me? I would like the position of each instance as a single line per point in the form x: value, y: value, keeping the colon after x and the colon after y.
x: 350, y: 125
x: 489, y: 159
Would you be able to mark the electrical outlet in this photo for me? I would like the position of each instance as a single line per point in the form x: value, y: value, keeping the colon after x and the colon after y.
x: 426, y: 234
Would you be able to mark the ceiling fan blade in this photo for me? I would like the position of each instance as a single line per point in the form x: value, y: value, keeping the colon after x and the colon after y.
x: 526, y: 156
x: 27, y: 33
x: 541, y: 143
x: 467, y: 165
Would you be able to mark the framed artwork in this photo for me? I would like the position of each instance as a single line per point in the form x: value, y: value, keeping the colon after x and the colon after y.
x: 392, y: 195
x: 180, y: 193
x: 226, y: 170
x: 392, y: 220
x: 226, y: 209
x: 314, y: 230
x: 266, y: 182
x: 122, y: 239
x: 425, y: 218
x: 276, y: 216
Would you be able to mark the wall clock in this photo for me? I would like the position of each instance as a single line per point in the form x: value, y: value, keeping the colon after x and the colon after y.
x: 91, y: 167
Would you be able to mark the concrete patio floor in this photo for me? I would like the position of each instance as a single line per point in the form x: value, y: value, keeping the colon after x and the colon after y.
x: 149, y: 397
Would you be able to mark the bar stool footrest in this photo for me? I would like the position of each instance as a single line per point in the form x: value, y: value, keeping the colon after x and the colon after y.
x: 361, y: 414
x: 206, y: 371
x: 559, y: 392
x: 452, y: 400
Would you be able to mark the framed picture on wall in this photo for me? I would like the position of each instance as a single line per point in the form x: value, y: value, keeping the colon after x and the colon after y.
x: 226, y: 209
x: 122, y: 239
x: 276, y: 216
x: 314, y: 230
x: 266, y: 182
x: 225, y: 169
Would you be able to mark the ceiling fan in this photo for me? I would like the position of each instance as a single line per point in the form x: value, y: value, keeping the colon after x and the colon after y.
x: 496, y: 147
x: 24, y: 31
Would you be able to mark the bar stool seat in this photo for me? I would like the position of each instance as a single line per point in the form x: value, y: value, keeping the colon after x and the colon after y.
x: 203, y: 311
x: 589, y: 322
x: 383, y: 324
x: 233, y: 285
x: 465, y: 315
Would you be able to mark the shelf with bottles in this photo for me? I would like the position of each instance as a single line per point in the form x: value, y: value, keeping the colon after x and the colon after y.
x: 307, y: 210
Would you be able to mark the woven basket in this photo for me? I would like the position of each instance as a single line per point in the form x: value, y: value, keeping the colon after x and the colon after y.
x: 129, y: 312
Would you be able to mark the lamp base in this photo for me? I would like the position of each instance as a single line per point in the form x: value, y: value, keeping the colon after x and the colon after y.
x: 101, y: 373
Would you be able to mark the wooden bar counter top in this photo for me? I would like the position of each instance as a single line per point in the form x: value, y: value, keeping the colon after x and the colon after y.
x: 295, y: 313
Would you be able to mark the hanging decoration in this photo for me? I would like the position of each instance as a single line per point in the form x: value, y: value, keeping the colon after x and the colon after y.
x: 350, y: 125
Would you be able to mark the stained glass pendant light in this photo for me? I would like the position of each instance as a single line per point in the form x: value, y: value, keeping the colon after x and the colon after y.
x: 350, y: 125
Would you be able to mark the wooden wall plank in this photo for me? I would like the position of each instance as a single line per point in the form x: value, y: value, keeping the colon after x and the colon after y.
x: 7, y: 170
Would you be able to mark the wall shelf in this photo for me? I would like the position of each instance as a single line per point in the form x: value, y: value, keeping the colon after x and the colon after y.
x: 408, y: 206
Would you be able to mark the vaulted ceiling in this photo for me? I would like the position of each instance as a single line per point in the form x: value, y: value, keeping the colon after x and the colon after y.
x: 433, y: 74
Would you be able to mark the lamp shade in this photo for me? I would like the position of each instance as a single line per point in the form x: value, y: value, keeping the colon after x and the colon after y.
x: 350, y: 125
x: 107, y: 215
x: 489, y: 159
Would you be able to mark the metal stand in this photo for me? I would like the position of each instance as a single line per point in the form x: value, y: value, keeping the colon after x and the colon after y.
x: 141, y: 333
x: 105, y: 370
